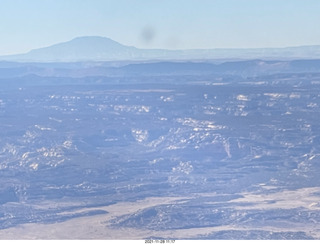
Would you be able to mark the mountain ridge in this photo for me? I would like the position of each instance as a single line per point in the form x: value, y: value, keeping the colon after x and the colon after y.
x: 244, y: 69
x: 97, y: 48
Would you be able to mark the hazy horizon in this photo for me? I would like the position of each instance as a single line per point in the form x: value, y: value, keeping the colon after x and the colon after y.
x: 28, y: 25
x: 235, y: 48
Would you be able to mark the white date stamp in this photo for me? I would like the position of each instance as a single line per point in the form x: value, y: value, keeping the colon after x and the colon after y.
x: 159, y: 241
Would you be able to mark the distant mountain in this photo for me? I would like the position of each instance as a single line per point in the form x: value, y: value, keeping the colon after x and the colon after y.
x: 81, y: 48
x: 95, y: 48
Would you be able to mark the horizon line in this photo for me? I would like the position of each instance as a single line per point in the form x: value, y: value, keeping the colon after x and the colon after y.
x: 169, y: 49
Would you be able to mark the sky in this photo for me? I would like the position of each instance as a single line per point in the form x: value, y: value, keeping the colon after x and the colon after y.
x: 168, y: 24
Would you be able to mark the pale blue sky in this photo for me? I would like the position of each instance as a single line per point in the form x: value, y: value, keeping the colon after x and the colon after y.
x: 173, y: 24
